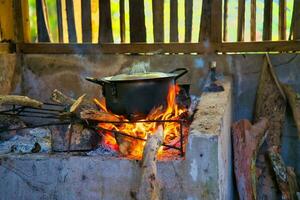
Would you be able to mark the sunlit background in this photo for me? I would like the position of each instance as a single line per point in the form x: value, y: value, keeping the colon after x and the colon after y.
x: 197, y: 4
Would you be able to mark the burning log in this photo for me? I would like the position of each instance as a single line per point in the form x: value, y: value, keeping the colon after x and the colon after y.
x: 96, y: 115
x: 150, y: 186
x: 285, y: 176
x: 294, y: 102
x: 19, y: 100
x: 247, y: 139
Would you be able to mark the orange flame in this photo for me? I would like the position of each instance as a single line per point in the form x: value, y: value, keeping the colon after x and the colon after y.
x: 132, y: 148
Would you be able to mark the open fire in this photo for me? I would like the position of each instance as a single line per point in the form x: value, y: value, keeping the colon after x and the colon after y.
x: 131, y: 143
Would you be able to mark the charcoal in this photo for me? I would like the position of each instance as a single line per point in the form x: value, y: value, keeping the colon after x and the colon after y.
x: 103, y: 151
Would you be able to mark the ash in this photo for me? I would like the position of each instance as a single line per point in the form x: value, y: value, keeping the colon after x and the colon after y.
x: 103, y: 151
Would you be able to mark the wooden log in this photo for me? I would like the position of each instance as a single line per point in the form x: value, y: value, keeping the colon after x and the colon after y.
x: 282, y: 20
x: 271, y: 104
x: 7, y: 27
x: 205, y: 23
x: 285, y: 177
x: 86, y: 21
x: 253, y: 20
x: 42, y: 21
x: 19, y: 100
x: 137, y: 21
x: 267, y: 26
x: 241, y: 20
x: 74, y: 107
x: 173, y: 21
x: 59, y: 21
x: 105, y: 27
x: 149, y: 188
x: 95, y: 115
x: 71, y: 21
x: 247, y: 139
x: 158, y: 20
x: 122, y: 20
x: 188, y: 12
x: 294, y: 102
x: 58, y: 97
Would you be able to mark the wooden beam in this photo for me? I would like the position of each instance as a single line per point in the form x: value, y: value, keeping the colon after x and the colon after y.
x: 225, y: 16
x: 122, y: 20
x: 205, y: 23
x: 216, y: 21
x: 241, y: 20
x: 18, y: 21
x: 296, y: 20
x: 158, y: 20
x: 137, y: 21
x: 282, y: 20
x: 7, y: 32
x: 71, y: 21
x: 26, y: 22
x: 188, y: 12
x: 158, y: 48
x: 173, y: 21
x: 86, y: 21
x: 105, y: 27
x: 253, y: 21
x: 42, y: 21
x: 59, y: 21
x: 267, y: 27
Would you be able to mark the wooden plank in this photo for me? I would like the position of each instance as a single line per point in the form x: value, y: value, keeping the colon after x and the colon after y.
x: 122, y: 20
x: 26, y: 22
x: 205, y: 23
x: 267, y: 27
x: 296, y: 20
x: 42, y: 23
x: 216, y: 21
x: 188, y: 12
x: 137, y: 21
x: 105, y: 28
x: 158, y: 20
x: 282, y: 20
x: 173, y: 21
x: 18, y: 21
x: 253, y: 21
x: 86, y: 21
x: 225, y: 16
x: 71, y: 21
x: 159, y: 48
x: 241, y: 20
x: 59, y: 21
x: 7, y: 32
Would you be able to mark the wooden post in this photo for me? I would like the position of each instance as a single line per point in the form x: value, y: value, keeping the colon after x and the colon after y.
x: 105, y: 28
x: 137, y: 21
x: 188, y: 12
x: 122, y: 20
x: 59, y: 21
x: 205, y: 22
x: 225, y: 16
x: 241, y: 20
x: 42, y: 21
x: 26, y: 22
x: 267, y: 32
x: 216, y: 21
x: 173, y: 21
x: 71, y: 21
x: 295, y: 26
x: 282, y: 20
x: 253, y: 20
x: 86, y: 22
x: 7, y: 20
x: 158, y: 20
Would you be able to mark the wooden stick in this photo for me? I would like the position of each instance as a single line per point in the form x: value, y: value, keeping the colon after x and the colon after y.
x: 96, y: 115
x: 247, y: 140
x: 285, y: 177
x: 58, y: 97
x: 19, y: 100
x: 77, y: 103
x: 149, y: 187
x: 294, y: 102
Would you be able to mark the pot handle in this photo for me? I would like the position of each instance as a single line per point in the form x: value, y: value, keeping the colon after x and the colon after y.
x: 97, y: 81
x: 184, y: 71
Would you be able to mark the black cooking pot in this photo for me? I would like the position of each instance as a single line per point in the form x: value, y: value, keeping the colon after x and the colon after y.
x: 136, y: 95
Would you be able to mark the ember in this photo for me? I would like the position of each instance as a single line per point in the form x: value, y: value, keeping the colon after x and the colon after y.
x: 131, y: 143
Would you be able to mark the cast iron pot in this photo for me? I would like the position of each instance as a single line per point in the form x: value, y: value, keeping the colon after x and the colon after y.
x: 134, y: 96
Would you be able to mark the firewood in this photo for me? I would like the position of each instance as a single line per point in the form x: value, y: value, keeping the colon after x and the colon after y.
x: 77, y: 103
x: 247, y: 139
x: 294, y: 102
x: 96, y: 115
x: 285, y: 176
x: 150, y: 186
x: 58, y: 97
x: 20, y: 101
x: 271, y: 104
